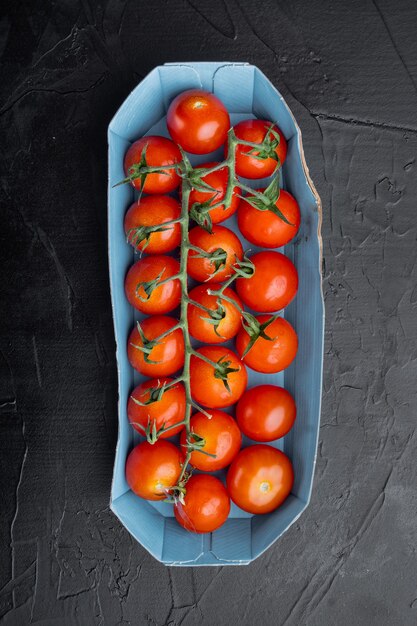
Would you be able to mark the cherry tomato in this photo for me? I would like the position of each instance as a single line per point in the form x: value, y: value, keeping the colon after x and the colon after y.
x: 255, y: 131
x: 260, y: 478
x: 159, y: 151
x: 269, y: 356
x: 164, y: 298
x: 217, y: 180
x: 206, y: 504
x: 198, y: 121
x: 265, y: 228
x: 165, y: 412
x: 222, y: 438
x: 165, y: 358
x: 207, y: 388
x: 153, y: 211
x: 204, y: 270
x: 272, y: 286
x: 266, y: 412
x: 224, y: 325
x: 151, y: 469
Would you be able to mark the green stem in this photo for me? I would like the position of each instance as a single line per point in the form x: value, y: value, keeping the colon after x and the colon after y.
x: 204, y: 358
x: 186, y: 189
x: 253, y: 192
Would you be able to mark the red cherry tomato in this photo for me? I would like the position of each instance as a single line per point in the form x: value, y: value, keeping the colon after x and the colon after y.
x: 165, y: 297
x: 265, y: 228
x: 266, y: 412
x: 165, y: 358
x: 206, y: 504
x: 255, y: 131
x: 260, y: 478
x: 210, y: 390
x: 204, y: 270
x: 198, y: 121
x: 153, y: 211
x: 217, y: 180
x: 222, y: 438
x: 219, y: 328
x: 269, y: 356
x: 163, y: 413
x: 273, y: 285
x: 151, y: 470
x: 159, y: 151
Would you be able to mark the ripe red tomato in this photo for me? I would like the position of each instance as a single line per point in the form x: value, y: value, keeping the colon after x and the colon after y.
x: 204, y: 270
x: 272, y: 286
x: 198, y: 121
x: 159, y: 151
x: 166, y: 412
x: 153, y: 211
x: 260, y: 478
x: 248, y: 165
x: 227, y: 322
x: 217, y: 180
x: 222, y: 437
x: 207, y: 387
x: 151, y: 469
x: 266, y: 412
x: 206, y: 504
x: 165, y: 358
x: 265, y: 228
x: 269, y: 356
x: 164, y: 298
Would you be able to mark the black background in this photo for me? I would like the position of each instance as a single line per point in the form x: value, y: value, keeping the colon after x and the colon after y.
x: 349, y: 73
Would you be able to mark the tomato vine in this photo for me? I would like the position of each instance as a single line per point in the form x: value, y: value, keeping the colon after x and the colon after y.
x: 192, y: 178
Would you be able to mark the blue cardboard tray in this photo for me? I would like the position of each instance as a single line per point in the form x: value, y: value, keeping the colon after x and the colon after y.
x: 247, y: 93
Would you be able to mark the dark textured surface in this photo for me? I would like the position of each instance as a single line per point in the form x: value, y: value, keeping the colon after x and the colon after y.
x: 349, y: 73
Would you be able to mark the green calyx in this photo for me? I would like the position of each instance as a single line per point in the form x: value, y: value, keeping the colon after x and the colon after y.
x: 136, y: 235
x: 215, y: 317
x: 217, y: 257
x: 141, y: 170
x: 222, y: 370
x: 195, y: 443
x: 267, y: 199
x: 147, y: 346
x: 267, y: 149
x: 255, y: 330
x: 200, y: 213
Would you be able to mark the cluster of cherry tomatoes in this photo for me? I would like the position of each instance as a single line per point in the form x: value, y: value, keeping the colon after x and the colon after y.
x: 260, y: 477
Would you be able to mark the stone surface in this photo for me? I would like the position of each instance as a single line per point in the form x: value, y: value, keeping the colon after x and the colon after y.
x: 349, y: 73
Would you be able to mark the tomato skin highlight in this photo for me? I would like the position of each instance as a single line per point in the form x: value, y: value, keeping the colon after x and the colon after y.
x: 222, y: 438
x: 221, y: 237
x: 260, y: 479
x: 204, y: 330
x: 151, y: 469
x: 255, y: 132
x: 198, y: 121
x: 164, y: 298
x: 266, y: 412
x: 273, y: 285
x: 167, y: 411
x: 264, y: 228
x: 159, y: 151
x: 269, y: 357
x: 210, y: 391
x: 207, y: 504
x: 151, y: 211
x: 217, y: 180
x: 168, y: 355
